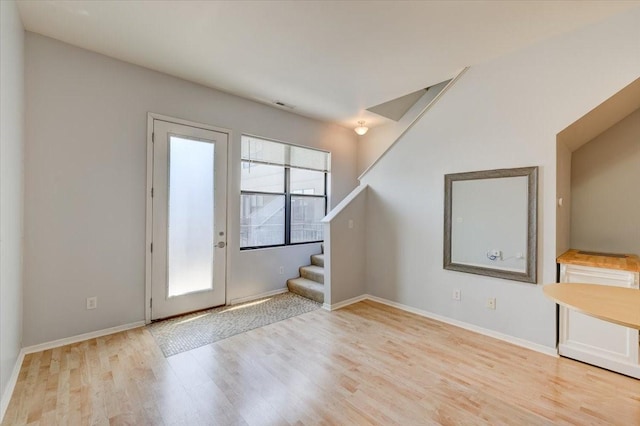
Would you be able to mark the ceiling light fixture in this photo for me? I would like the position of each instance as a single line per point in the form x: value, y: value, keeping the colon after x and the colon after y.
x: 361, y: 129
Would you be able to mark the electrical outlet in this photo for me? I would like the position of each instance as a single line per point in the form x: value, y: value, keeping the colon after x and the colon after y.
x: 92, y: 302
x: 456, y: 294
x: 350, y: 223
x: 491, y: 303
x: 281, y: 270
x: 496, y: 253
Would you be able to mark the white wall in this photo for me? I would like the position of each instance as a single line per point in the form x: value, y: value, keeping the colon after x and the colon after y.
x: 500, y: 114
x: 605, y: 188
x: 11, y: 189
x: 85, y: 184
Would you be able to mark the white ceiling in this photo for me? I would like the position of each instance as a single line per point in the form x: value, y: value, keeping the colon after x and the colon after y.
x: 330, y: 60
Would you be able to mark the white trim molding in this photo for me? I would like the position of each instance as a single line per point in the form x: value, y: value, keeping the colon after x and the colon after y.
x: 415, y: 120
x: 81, y: 337
x: 13, y: 380
x: 471, y: 327
x: 344, y: 303
x: 344, y: 203
x: 151, y: 116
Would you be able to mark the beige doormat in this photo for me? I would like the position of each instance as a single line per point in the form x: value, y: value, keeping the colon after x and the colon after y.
x: 191, y: 331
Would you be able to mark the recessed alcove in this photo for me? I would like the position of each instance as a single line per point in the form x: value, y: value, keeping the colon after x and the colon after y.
x: 598, y: 177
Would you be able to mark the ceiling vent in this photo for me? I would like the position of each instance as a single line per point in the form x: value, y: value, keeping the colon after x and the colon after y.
x: 283, y: 105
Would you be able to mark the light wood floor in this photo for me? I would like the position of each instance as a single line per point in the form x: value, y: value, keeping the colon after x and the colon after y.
x: 364, y: 364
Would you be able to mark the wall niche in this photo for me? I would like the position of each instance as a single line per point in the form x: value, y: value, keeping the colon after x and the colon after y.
x: 598, y: 178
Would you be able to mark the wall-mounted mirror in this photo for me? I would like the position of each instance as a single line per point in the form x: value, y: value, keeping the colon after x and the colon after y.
x: 490, y: 223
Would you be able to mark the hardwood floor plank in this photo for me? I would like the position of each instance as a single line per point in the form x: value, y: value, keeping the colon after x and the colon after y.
x: 365, y: 364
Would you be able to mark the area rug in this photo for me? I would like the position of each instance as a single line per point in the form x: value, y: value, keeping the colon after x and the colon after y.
x: 191, y: 331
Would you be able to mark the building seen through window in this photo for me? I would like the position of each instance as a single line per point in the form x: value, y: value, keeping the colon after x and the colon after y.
x: 283, y: 193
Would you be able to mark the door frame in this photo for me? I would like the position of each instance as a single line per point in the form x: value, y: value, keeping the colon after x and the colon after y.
x: 149, y: 200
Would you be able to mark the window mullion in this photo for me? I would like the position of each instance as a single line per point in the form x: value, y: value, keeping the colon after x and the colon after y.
x: 287, y: 206
x: 304, y: 168
x: 326, y: 196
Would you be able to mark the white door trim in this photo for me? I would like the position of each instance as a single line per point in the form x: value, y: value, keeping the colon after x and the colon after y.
x: 149, y: 201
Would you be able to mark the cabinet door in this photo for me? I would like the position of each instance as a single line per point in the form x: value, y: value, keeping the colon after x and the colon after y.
x: 596, y: 341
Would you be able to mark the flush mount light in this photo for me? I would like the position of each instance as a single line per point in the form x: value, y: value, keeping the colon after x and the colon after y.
x: 361, y: 129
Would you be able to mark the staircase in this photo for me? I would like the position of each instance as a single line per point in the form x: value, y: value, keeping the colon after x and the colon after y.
x: 310, y: 283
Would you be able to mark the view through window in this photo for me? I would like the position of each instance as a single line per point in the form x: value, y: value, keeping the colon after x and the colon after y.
x: 283, y: 193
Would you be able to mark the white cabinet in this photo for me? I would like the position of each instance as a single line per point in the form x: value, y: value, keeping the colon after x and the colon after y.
x: 595, y: 341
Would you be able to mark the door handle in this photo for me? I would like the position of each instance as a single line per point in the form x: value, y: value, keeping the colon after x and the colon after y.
x: 221, y: 244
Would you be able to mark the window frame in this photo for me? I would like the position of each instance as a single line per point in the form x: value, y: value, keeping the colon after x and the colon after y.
x: 287, y: 204
x: 288, y: 207
x: 285, y: 217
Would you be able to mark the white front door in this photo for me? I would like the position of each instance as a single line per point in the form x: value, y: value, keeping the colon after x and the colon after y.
x: 189, y: 213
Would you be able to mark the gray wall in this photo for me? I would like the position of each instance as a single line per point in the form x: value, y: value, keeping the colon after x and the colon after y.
x: 345, y: 247
x: 500, y: 114
x: 85, y: 184
x: 563, y: 190
x: 11, y: 189
x: 605, y: 190
x: 378, y: 139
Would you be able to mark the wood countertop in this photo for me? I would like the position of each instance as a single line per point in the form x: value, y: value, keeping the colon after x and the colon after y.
x: 618, y: 305
x: 624, y: 262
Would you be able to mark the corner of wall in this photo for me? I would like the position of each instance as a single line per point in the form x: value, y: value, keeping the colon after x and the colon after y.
x: 12, y: 136
x: 563, y: 196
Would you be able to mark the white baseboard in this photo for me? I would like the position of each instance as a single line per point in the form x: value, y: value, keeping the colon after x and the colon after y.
x: 81, y: 337
x: 8, y: 392
x: 471, y: 327
x: 13, y: 380
x: 344, y: 303
x: 258, y: 296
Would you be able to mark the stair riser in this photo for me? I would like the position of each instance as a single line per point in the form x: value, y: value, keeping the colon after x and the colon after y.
x: 309, y: 293
x: 310, y: 284
x: 313, y: 276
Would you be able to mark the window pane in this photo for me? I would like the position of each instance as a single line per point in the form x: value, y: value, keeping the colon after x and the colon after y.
x: 307, y: 182
x: 264, y: 151
x: 261, y: 220
x: 308, y: 158
x: 306, y: 214
x: 190, y: 233
x: 262, y: 178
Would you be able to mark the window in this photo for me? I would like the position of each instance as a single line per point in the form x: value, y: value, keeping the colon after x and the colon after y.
x: 283, y: 194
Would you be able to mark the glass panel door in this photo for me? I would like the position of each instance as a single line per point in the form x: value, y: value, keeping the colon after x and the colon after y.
x: 189, y: 219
